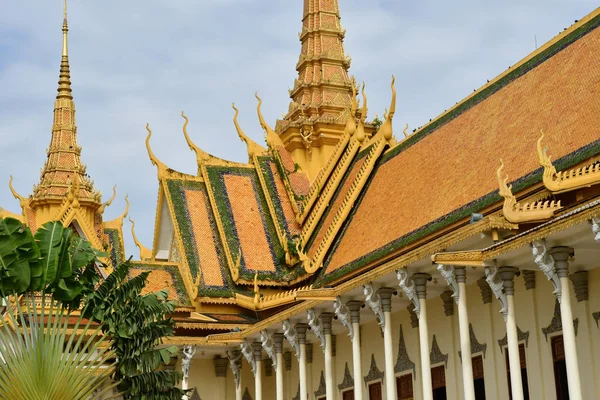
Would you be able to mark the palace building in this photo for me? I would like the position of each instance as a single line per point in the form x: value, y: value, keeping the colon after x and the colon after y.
x: 351, y: 259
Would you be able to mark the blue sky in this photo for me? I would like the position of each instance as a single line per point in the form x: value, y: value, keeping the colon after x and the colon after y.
x: 141, y: 61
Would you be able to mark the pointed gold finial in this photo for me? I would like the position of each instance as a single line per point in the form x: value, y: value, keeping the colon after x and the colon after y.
x: 109, y: 202
x: 351, y: 123
x: 253, y: 148
x: 162, y: 168
x: 360, y: 130
x: 23, y: 202
x: 64, y: 81
x: 145, y: 253
x: 201, y: 155
x: 65, y: 29
x: 386, y: 128
x: 273, y: 139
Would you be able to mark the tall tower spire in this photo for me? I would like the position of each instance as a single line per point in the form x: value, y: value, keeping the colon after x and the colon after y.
x: 63, y: 175
x: 321, y: 95
x: 64, y: 82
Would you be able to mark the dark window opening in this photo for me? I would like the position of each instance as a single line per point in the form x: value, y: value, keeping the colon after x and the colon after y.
x: 478, y: 378
x: 438, y: 381
x: 560, y: 368
x: 375, y: 391
x: 404, y: 387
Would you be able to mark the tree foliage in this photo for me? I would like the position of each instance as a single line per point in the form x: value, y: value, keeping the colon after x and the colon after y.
x: 56, y: 263
x: 137, y: 323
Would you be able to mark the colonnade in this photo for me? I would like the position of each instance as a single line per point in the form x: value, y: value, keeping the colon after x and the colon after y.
x: 553, y: 262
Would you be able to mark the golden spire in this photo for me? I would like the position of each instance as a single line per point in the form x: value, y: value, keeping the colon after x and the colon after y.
x: 64, y: 81
x: 323, y: 87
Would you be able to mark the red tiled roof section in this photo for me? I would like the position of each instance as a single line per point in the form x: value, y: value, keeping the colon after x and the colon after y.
x: 456, y: 164
x: 248, y: 223
x: 286, y: 205
x: 335, y: 206
x: 197, y: 205
x: 298, y: 179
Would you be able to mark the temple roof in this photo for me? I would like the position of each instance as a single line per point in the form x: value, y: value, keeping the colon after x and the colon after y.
x: 445, y: 171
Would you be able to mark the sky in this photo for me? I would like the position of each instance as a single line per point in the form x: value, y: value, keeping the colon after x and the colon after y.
x: 139, y: 61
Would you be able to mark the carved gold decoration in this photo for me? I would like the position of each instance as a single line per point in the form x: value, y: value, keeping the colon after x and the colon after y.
x: 253, y: 148
x: 161, y: 168
x: 564, y: 181
x: 527, y: 212
x: 386, y: 128
x: 273, y: 139
x: 109, y: 202
x: 23, y: 202
x: 145, y: 253
x: 360, y: 130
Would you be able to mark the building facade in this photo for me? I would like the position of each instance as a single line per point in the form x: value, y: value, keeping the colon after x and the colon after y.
x: 346, y: 260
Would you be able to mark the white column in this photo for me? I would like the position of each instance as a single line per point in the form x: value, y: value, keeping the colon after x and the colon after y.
x: 465, y: 337
x: 420, y: 282
x: 390, y: 381
x: 301, y: 332
x: 507, y: 274
x: 354, y: 306
x: 235, y: 363
x: 561, y: 259
x: 326, y: 319
x: 278, y: 341
x: 257, y: 350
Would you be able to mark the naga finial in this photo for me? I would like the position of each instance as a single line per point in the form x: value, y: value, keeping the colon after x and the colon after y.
x: 543, y: 157
x: 109, y: 202
x: 23, y: 202
x: 162, y: 168
x: 201, y: 155
x: 145, y: 253
x: 360, y: 130
x: 386, y: 128
x: 351, y: 123
x: 273, y: 138
x: 527, y: 212
x: 252, y: 147
x: 504, y: 190
x: 404, y: 131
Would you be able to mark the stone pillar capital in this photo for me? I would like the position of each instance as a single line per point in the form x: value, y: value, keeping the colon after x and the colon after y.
x: 461, y: 274
x: 507, y: 275
x: 326, y: 319
x: 278, y: 341
x: 561, y: 255
x: 420, y: 280
x: 385, y: 294
x: 301, y: 329
x: 354, y: 306
x: 257, y: 350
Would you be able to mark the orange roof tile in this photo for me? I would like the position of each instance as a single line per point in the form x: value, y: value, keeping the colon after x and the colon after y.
x: 452, y: 165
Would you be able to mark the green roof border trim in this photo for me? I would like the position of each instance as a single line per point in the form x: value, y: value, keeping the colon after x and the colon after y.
x: 483, y: 94
x: 565, y: 162
x: 117, y: 250
x: 360, y: 155
x: 176, y: 192
x: 267, y: 173
x: 215, y: 179
x: 173, y: 270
